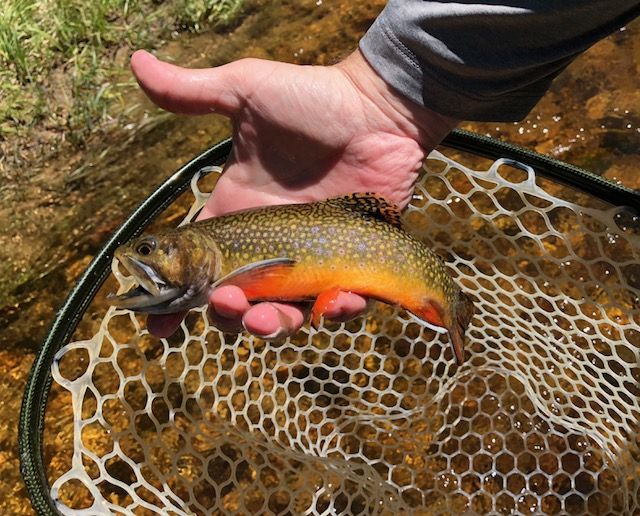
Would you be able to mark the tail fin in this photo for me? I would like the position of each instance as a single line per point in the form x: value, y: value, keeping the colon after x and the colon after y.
x: 462, y: 315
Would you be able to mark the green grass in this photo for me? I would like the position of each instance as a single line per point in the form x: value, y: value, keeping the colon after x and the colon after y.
x: 57, y: 68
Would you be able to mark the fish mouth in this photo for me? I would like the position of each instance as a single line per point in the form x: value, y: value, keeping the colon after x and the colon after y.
x: 152, y: 294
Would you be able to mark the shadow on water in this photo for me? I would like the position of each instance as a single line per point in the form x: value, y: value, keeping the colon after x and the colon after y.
x: 58, y: 220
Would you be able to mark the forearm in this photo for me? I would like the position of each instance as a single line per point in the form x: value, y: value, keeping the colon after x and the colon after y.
x: 476, y: 61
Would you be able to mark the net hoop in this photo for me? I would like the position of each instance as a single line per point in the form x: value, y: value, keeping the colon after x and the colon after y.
x: 31, y: 423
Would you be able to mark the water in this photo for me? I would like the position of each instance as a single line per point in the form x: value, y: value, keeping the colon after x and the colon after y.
x: 59, y: 220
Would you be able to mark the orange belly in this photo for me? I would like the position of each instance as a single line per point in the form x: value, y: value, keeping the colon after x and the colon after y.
x: 308, y: 281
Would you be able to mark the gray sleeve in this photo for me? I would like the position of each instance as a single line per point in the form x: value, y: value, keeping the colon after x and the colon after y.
x: 486, y: 60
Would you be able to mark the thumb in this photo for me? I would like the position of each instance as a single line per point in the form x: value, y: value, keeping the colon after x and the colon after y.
x: 187, y: 91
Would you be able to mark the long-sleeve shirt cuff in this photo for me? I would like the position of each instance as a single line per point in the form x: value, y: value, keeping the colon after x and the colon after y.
x: 485, y: 62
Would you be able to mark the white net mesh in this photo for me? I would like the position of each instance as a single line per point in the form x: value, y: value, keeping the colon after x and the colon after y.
x: 373, y: 416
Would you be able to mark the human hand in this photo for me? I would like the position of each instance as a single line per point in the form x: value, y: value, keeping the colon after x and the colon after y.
x: 300, y: 134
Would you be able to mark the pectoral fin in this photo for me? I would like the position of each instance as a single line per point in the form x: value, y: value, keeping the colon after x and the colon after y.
x: 256, y: 273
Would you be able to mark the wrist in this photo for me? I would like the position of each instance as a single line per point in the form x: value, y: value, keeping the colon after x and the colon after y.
x: 424, y: 125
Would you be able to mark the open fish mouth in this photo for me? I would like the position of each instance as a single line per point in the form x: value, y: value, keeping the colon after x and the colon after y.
x: 152, y: 290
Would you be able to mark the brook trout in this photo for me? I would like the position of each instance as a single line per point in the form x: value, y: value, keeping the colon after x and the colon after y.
x: 297, y: 252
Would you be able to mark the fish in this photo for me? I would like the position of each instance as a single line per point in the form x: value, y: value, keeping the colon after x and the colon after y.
x: 297, y: 252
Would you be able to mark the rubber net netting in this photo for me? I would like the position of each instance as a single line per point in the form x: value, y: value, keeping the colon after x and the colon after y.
x: 373, y: 416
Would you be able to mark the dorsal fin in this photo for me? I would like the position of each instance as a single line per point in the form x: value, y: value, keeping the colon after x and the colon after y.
x: 370, y: 205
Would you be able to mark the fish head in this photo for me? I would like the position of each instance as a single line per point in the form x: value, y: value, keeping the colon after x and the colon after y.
x: 172, y: 270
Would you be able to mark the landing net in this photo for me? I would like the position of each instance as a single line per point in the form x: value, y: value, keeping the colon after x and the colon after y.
x: 373, y: 416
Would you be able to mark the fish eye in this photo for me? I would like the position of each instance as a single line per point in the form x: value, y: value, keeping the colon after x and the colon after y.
x: 146, y: 247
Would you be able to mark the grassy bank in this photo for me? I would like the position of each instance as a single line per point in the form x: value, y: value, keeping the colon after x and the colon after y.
x: 63, y: 62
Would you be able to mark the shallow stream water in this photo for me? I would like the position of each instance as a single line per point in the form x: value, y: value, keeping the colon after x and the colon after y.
x: 59, y: 220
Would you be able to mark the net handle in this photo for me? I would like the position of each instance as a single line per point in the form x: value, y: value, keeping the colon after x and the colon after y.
x: 31, y: 424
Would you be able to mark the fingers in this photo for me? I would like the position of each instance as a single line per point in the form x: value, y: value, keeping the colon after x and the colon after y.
x: 230, y: 309
x: 231, y: 312
x: 187, y: 91
x: 229, y: 302
x: 273, y: 320
x: 227, y: 305
x: 346, y: 306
